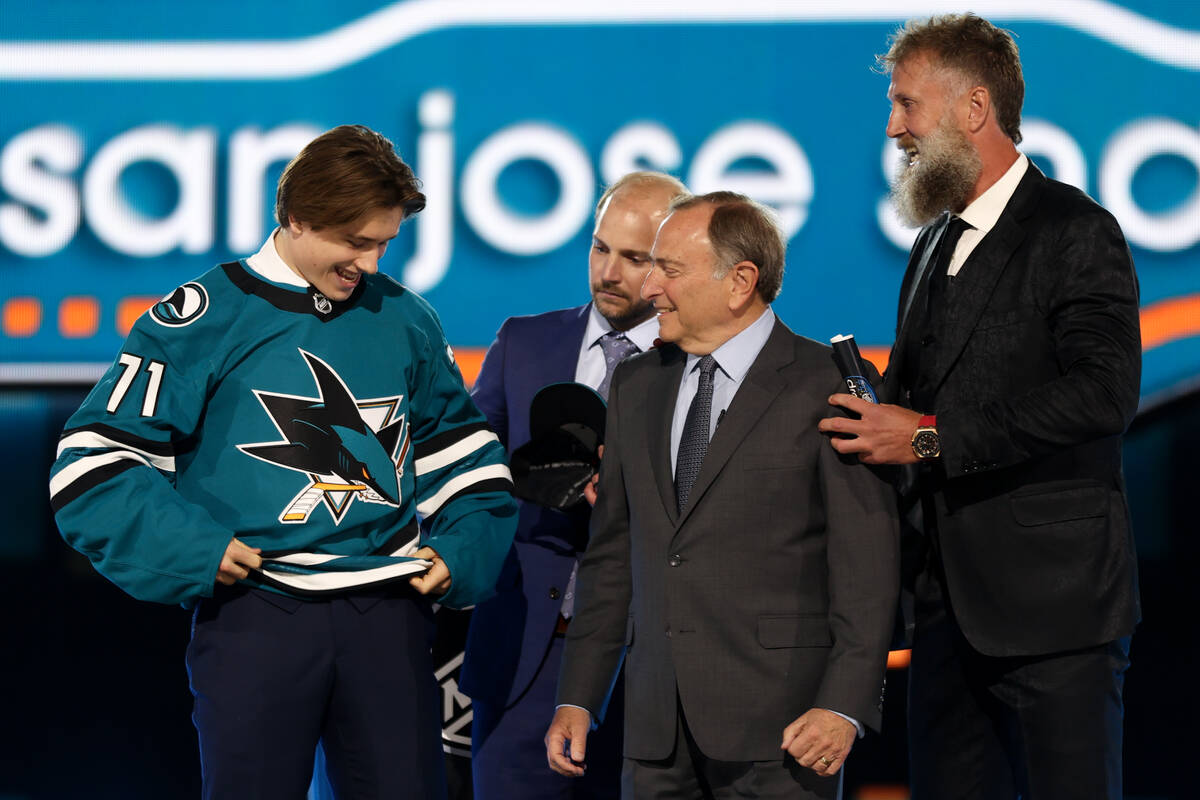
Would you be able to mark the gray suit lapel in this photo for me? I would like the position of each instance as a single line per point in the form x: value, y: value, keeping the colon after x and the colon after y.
x: 759, y: 389
x: 660, y: 408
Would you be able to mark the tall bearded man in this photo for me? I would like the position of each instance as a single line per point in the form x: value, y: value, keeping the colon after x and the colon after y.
x: 1015, y: 372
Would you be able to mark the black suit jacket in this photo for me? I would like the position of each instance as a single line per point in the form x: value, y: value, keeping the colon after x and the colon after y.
x: 1034, y: 375
x: 772, y: 593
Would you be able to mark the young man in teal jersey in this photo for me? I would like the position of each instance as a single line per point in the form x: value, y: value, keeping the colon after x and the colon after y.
x: 263, y: 449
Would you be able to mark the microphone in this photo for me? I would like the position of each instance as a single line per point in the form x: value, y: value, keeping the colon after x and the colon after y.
x: 849, y: 361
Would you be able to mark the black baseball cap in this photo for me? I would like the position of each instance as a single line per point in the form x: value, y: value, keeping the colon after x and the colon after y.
x: 566, y: 426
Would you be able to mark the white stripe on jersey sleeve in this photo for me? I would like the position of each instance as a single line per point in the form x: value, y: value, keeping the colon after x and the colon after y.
x: 460, y: 449
x: 77, y: 469
x: 459, y: 482
x: 93, y: 440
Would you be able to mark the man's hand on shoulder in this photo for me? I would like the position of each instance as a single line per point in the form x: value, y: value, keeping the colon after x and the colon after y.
x: 437, y: 580
x: 882, y: 434
x: 568, y: 729
x: 237, y: 562
x: 820, y: 740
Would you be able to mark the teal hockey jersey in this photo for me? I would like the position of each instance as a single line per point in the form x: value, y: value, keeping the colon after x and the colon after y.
x: 319, y: 431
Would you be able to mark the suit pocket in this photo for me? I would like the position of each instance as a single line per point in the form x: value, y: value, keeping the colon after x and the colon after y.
x: 794, y: 630
x: 1059, y: 501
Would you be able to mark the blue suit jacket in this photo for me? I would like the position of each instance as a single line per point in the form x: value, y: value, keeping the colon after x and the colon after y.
x: 510, y: 632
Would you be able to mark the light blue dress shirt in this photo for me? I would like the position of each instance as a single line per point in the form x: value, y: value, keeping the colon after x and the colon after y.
x: 733, y: 362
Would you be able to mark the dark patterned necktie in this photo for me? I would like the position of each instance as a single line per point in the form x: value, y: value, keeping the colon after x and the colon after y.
x: 693, y: 445
x: 936, y: 264
x: 939, y: 277
x: 617, y: 348
x: 954, y: 231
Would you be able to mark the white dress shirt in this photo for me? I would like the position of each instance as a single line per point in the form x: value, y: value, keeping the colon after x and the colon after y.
x: 984, y: 211
x: 267, y: 263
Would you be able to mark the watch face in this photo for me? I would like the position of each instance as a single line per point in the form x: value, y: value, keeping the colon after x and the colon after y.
x: 926, y: 444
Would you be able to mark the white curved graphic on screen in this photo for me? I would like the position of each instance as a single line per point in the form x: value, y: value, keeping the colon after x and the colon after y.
x: 390, y: 26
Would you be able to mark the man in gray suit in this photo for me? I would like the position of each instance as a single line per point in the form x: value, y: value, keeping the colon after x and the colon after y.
x: 747, y: 572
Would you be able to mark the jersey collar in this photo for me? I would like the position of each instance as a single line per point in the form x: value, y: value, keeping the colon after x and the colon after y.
x: 306, y: 301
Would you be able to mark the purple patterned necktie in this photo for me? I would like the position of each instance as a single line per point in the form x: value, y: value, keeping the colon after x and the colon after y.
x: 693, y: 445
x: 617, y: 348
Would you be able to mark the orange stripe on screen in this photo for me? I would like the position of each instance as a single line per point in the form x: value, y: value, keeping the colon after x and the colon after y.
x: 1168, y: 320
x: 78, y: 317
x: 21, y: 317
x: 129, y: 309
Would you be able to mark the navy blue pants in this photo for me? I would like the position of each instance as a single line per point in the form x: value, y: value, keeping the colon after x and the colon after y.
x: 273, y: 675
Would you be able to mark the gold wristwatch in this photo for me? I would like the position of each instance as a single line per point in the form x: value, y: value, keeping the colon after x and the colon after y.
x: 926, y: 443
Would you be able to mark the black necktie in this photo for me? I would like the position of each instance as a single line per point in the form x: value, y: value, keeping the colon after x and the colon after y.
x: 693, y: 444
x: 954, y: 231
x: 939, y: 279
x: 938, y: 261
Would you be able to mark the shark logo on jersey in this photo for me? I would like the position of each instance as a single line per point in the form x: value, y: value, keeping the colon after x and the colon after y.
x: 348, y: 448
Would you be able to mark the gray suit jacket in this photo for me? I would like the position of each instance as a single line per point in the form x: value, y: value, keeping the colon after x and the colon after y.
x: 773, y: 593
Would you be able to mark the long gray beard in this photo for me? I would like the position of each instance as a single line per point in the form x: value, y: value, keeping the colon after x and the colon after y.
x: 942, y: 179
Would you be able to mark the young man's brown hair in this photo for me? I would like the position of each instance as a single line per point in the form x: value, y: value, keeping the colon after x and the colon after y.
x: 341, y: 175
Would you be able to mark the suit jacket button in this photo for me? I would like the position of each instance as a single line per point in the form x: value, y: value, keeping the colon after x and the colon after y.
x: 668, y: 631
x: 675, y: 560
x: 554, y: 593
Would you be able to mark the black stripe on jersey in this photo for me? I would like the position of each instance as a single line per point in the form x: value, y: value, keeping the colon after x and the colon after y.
x: 124, y: 437
x: 405, y: 534
x: 90, y: 480
x: 489, y: 485
x: 261, y: 579
x: 447, y: 438
x: 287, y: 300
